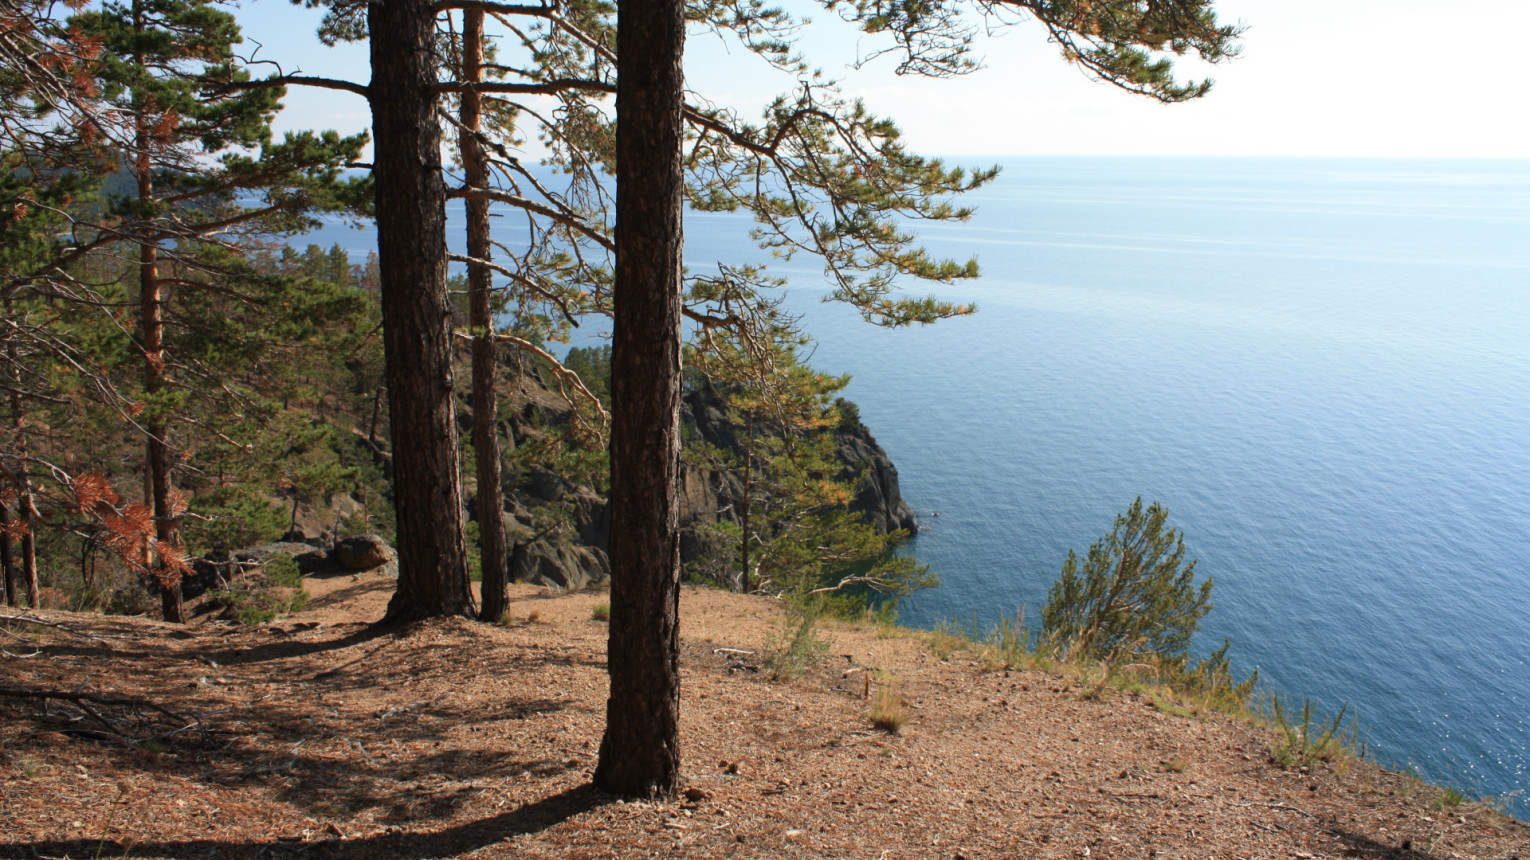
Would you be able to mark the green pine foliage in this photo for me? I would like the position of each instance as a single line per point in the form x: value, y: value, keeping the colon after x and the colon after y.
x: 1133, y: 594
x: 593, y: 364
x: 793, y: 534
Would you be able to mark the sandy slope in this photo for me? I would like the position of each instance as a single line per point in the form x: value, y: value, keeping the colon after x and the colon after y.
x: 319, y: 737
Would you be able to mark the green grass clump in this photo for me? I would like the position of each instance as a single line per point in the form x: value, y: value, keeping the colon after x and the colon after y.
x: 1448, y: 798
x: 1300, y: 742
x: 601, y: 612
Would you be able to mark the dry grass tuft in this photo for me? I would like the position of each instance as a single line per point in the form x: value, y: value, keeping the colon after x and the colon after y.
x: 887, y: 712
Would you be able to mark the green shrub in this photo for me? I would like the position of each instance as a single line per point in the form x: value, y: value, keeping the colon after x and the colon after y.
x: 282, y: 570
x: 797, y: 646
x: 258, y: 602
x: 1133, y: 594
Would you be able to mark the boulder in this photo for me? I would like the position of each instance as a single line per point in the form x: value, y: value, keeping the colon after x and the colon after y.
x: 319, y: 527
x: 309, y: 559
x: 363, y: 552
x: 559, y: 564
x: 245, y: 566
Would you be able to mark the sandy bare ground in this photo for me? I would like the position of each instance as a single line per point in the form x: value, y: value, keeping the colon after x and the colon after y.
x: 318, y: 736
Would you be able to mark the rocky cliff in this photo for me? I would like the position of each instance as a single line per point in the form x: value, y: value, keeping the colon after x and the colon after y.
x: 560, y: 530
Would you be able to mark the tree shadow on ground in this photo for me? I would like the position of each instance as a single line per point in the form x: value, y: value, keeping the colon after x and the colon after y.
x: 447, y: 842
x: 1356, y: 845
x: 349, y: 593
x: 321, y: 764
x: 286, y: 649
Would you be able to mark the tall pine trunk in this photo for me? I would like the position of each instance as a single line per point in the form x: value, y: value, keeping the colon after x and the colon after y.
x: 640, y: 753
x: 491, y: 501
x: 747, y: 585
x: 26, y: 509
x: 411, y: 246
x: 156, y: 462
x: 156, y: 452
x: 6, y: 562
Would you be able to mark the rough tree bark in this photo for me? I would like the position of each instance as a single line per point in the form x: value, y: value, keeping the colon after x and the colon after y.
x: 5, y: 557
x: 156, y: 460
x: 491, y: 500
x: 25, y: 507
x: 156, y: 451
x: 411, y: 245
x: 640, y: 753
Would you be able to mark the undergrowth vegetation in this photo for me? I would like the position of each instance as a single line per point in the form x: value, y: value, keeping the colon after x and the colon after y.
x: 273, y: 592
x: 1300, y: 741
x: 795, y: 645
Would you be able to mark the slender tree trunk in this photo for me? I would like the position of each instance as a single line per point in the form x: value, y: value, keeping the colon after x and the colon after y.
x: 6, y: 562
x: 25, y: 508
x: 377, y: 400
x: 156, y: 461
x: 29, y: 543
x: 411, y: 244
x: 494, y: 589
x: 152, y: 323
x: 640, y: 753
x: 748, y: 503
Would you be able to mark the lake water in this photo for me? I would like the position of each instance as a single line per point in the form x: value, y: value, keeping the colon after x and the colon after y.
x: 1322, y: 368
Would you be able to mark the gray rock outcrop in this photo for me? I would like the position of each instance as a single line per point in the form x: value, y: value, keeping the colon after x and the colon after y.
x: 363, y: 552
x: 559, y: 532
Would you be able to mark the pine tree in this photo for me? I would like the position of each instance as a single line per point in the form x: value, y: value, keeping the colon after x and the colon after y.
x: 819, y: 173
x: 164, y: 77
x: 1132, y: 595
x: 640, y: 751
x: 792, y: 531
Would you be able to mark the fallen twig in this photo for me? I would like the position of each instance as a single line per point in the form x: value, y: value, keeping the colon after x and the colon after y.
x: 30, y: 619
x: 84, y: 701
x: 1281, y: 806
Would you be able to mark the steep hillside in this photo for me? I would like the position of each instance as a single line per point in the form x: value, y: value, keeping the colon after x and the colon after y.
x: 320, y: 736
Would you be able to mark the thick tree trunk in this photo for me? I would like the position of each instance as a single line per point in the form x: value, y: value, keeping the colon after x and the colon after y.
x: 640, y: 753
x: 494, y: 590
x: 411, y: 245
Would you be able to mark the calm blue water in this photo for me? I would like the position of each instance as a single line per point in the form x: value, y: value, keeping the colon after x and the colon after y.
x: 1321, y: 367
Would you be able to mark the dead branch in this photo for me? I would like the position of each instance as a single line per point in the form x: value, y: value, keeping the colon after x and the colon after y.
x: 84, y: 701
x: 29, y: 619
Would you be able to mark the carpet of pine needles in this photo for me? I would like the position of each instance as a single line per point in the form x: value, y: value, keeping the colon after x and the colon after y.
x: 318, y: 736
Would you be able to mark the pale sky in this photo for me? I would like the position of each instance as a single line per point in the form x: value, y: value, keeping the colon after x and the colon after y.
x: 1317, y: 77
